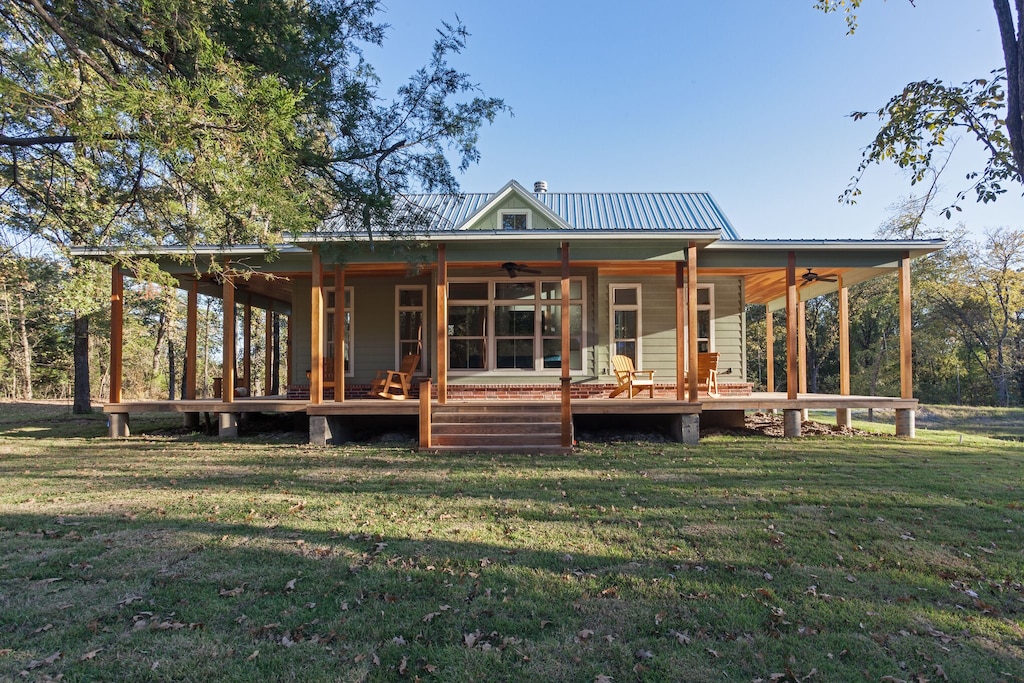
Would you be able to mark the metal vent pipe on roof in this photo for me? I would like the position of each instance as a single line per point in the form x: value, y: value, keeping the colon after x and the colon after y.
x: 540, y: 186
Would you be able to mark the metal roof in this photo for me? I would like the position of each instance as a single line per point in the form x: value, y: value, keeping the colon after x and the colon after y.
x: 597, y: 211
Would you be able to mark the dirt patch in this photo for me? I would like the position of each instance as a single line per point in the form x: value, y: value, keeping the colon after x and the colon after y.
x: 769, y: 424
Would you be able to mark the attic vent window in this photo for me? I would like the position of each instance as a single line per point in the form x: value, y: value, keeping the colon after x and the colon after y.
x: 515, y: 220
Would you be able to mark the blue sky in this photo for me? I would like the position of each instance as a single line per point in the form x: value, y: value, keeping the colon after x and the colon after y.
x: 746, y: 99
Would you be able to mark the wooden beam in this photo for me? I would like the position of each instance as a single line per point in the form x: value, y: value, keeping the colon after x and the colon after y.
x: 680, y: 330
x: 442, y: 325
x: 844, y: 338
x: 906, y: 352
x: 691, y: 316
x: 769, y: 348
x: 339, y: 334
x: 801, y: 343
x: 191, y: 330
x: 792, y: 364
x: 227, y: 373
x: 316, y: 337
x: 566, y: 416
x: 116, y: 332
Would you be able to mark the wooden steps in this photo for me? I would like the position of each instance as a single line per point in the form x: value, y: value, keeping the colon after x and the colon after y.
x: 494, y: 428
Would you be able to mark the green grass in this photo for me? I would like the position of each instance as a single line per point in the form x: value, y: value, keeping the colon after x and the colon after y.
x: 169, y: 557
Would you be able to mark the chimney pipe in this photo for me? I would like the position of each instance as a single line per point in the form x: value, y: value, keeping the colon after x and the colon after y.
x: 540, y: 187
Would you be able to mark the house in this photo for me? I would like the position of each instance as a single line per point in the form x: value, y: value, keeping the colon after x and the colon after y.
x: 517, y: 301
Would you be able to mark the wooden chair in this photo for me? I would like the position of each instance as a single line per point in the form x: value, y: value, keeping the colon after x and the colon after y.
x: 387, y: 381
x: 707, y: 373
x: 630, y: 379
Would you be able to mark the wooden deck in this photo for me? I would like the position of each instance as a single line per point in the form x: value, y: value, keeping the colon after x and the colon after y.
x: 729, y: 408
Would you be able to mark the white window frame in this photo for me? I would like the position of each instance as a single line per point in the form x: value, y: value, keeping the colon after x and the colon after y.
x: 491, y: 339
x: 399, y: 309
x: 710, y: 307
x: 350, y: 294
x: 506, y: 212
x: 613, y: 307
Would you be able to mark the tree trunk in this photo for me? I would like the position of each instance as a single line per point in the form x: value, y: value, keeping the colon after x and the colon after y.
x: 83, y: 394
x: 1012, y: 38
x: 26, y: 348
x: 275, y: 376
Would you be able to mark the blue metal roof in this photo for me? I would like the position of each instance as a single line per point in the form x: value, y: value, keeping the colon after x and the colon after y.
x: 682, y: 211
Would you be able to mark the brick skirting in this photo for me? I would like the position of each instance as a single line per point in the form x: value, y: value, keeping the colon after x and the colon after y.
x: 551, y: 392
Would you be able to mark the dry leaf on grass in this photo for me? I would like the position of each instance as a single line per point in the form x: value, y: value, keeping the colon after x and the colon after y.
x: 233, y: 592
x: 90, y: 655
x: 290, y: 586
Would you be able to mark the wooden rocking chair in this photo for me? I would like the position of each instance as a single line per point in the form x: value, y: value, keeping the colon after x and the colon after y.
x: 630, y: 379
x: 387, y: 381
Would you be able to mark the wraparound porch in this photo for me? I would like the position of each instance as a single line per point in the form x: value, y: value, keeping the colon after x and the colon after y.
x: 327, y: 420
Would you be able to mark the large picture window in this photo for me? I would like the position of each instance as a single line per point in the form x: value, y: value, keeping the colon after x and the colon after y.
x: 513, y: 326
x: 329, y: 344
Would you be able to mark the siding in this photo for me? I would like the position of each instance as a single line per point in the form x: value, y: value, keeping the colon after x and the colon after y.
x: 373, y: 318
x: 658, y: 346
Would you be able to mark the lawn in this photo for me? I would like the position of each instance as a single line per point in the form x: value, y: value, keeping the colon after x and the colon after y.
x: 182, y: 557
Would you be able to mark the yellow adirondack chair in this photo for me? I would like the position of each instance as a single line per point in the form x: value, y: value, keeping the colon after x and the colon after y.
x: 630, y: 379
x: 387, y: 381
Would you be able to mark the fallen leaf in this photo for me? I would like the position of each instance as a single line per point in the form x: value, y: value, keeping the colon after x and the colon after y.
x: 42, y: 629
x: 643, y: 655
x: 711, y: 652
x: 430, y: 617
x: 659, y: 617
x: 602, y: 678
x: 682, y: 637
x: 90, y: 655
x: 254, y: 655
x: 403, y: 666
x: 234, y: 592
x: 290, y: 586
x: 398, y: 640
x: 584, y: 634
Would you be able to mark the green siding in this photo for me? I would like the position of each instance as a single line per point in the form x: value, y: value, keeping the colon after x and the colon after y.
x: 658, y: 346
x: 490, y: 219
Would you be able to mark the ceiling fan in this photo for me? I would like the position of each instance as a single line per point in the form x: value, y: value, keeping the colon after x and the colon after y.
x: 810, y: 277
x: 513, y: 269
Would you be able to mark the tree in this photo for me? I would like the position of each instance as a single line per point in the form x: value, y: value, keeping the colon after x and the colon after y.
x: 925, y: 116
x: 981, y: 296
x: 155, y: 122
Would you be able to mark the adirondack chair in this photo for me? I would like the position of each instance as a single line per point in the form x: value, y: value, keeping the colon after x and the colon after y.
x: 707, y: 373
x: 631, y: 380
x: 387, y: 381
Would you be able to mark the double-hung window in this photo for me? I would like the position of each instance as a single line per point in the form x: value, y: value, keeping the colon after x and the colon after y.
x: 626, y: 331
x: 411, y: 305
x: 329, y: 344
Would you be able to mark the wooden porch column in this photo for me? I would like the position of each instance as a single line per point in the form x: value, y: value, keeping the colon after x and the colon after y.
x: 680, y: 330
x: 316, y: 337
x: 275, y: 374
x: 801, y: 344
x: 116, y: 332
x: 191, y: 353
x: 769, y: 348
x: 691, y: 316
x: 843, y: 414
x: 339, y: 334
x: 566, y: 379
x: 268, y: 352
x: 442, y: 325
x: 791, y: 416
x: 792, y: 363
x: 247, y: 344
x: 227, y: 373
x: 906, y: 355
